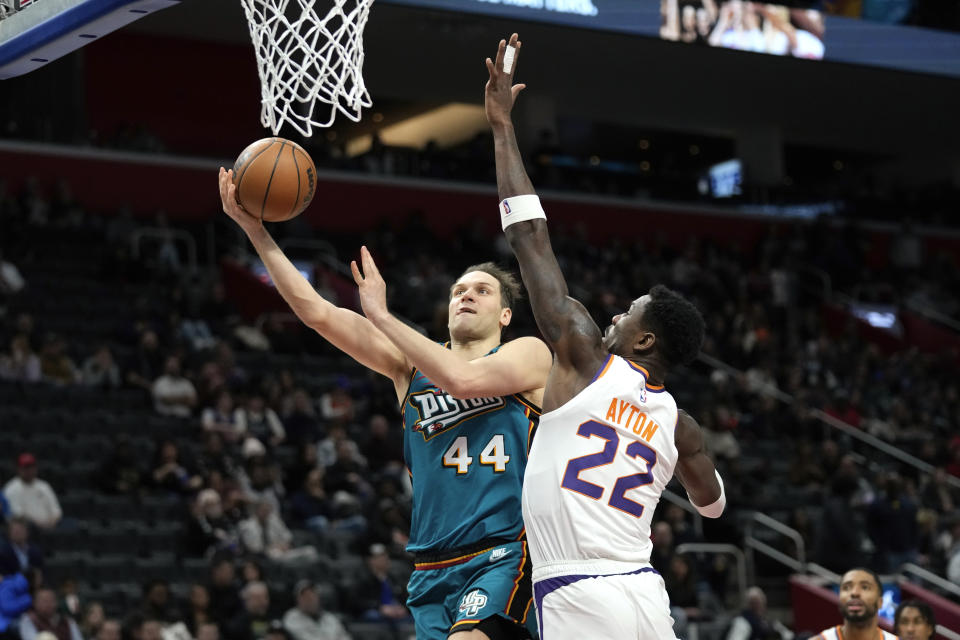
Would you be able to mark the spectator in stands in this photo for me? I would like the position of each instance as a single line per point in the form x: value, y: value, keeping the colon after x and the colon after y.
x: 12, y: 281
x: 663, y: 546
x: 379, y: 595
x: 169, y: 474
x: 805, y: 473
x: 44, y: 617
x: 209, y: 529
x: 260, y: 478
x: 308, y: 621
x: 348, y: 472
x: 120, y: 472
x: 251, y: 571
x: 310, y: 507
x: 681, y: 585
x: 892, y: 524
x: 264, y: 533
x: 208, y: 631
x: 148, y: 629
x: 937, y: 494
x: 21, y: 364
x: 381, y: 448
x: 679, y: 522
x: 173, y: 394
x: 254, y: 622
x: 109, y: 630
x: 914, y: 620
x: 277, y: 631
x: 198, y: 609
x: 301, y: 422
x: 295, y: 473
x: 213, y: 458
x: 753, y: 623
x: 56, y: 365
x: 953, y: 551
x: 93, y: 619
x: 146, y: 364
x: 225, y: 602
x: 15, y: 600
x: 259, y: 421
x: 218, y: 311
x: 157, y: 604
x: 222, y: 418
x: 840, y: 539
x: 100, y: 370
x: 17, y: 553
x: 31, y: 497
x: 69, y: 601
x: 336, y: 405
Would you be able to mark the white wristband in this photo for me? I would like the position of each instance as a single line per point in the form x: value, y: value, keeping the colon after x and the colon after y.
x: 520, y: 209
x: 716, y: 509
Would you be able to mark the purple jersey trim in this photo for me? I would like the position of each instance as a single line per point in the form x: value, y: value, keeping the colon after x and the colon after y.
x: 545, y: 587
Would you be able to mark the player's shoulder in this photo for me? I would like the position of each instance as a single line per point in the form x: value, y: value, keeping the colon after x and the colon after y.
x: 526, y: 346
x: 889, y: 636
x: 828, y: 634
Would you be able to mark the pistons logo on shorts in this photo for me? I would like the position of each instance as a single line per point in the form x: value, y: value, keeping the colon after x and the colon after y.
x: 473, y: 602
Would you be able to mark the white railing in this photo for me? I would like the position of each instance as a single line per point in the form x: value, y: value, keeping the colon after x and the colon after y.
x: 932, y: 578
x: 753, y: 544
x: 839, y: 425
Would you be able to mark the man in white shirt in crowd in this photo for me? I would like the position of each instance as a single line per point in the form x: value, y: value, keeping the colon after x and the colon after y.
x: 31, y: 497
x: 173, y: 394
x: 307, y: 620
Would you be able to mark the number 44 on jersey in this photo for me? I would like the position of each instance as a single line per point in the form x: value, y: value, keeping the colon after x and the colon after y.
x: 493, y: 454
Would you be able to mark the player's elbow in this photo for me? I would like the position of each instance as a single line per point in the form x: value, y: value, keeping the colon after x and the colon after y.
x: 459, y: 388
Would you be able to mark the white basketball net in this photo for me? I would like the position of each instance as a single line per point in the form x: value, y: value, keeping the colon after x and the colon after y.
x: 306, y: 60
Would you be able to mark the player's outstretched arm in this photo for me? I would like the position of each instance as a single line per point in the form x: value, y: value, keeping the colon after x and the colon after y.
x: 520, y: 366
x: 695, y: 469
x: 563, y: 321
x: 348, y: 331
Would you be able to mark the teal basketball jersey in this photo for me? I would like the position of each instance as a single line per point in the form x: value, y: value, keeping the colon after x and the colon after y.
x: 466, y: 460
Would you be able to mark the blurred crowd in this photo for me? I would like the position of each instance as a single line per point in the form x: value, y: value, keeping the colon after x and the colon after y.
x: 286, y: 467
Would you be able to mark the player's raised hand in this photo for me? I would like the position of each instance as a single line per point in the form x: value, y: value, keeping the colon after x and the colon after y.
x: 372, y: 288
x: 501, y: 92
x: 228, y: 196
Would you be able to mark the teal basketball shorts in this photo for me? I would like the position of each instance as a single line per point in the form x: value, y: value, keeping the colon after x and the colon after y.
x: 460, y: 589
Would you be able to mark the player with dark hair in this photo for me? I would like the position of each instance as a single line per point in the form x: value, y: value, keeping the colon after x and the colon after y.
x: 861, y: 594
x: 611, y: 435
x: 470, y: 407
x: 914, y: 620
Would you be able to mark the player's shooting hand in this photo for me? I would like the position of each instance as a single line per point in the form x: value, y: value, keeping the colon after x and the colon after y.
x: 228, y: 196
x: 501, y: 92
x: 372, y: 288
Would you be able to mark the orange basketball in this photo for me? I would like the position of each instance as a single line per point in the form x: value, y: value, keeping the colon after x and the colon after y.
x: 275, y: 179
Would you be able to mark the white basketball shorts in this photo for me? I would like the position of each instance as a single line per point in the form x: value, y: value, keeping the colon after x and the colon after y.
x: 623, y: 606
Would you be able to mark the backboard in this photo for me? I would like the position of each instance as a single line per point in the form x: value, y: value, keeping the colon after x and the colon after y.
x: 35, y: 32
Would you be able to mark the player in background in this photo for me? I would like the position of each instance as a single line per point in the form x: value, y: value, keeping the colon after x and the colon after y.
x: 861, y: 595
x: 469, y: 411
x: 914, y: 620
x: 611, y: 436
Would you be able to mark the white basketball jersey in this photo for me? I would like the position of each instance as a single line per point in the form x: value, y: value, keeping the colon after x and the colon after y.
x: 836, y: 633
x: 595, y: 474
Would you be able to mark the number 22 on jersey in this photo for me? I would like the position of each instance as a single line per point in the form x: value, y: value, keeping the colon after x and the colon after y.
x: 635, y: 449
x: 494, y: 454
